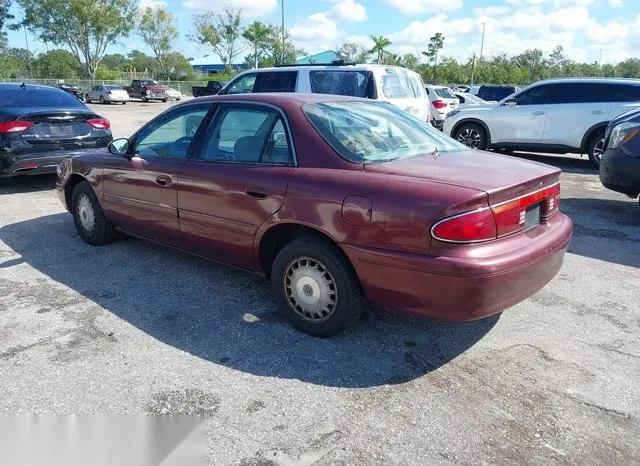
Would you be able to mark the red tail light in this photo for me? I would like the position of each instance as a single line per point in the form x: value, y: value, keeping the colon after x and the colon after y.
x: 498, y: 220
x: 14, y: 126
x: 100, y: 123
x: 439, y: 104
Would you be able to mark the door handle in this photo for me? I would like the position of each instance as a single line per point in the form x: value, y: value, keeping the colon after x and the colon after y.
x: 597, y: 112
x: 257, y: 192
x: 538, y: 113
x: 164, y: 180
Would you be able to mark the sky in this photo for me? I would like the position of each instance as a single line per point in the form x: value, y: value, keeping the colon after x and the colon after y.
x: 588, y: 30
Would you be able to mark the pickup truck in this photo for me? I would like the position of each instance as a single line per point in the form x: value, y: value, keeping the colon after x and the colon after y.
x: 212, y: 88
x: 146, y: 89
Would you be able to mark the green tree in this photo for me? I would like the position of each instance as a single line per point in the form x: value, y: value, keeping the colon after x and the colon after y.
x: 141, y: 62
x: 157, y: 28
x: 436, y: 43
x: 258, y: 35
x: 281, y: 53
x: 410, y: 61
x: 57, y: 64
x: 116, y: 62
x: 352, y: 52
x: 223, y: 32
x: 178, y: 67
x: 533, y: 61
x: 630, y: 68
x: 87, y: 27
x: 4, y: 16
x: 380, y: 44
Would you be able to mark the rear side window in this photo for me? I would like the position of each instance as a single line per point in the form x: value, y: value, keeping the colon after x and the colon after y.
x: 351, y: 83
x: 276, y: 81
x: 445, y: 93
x: 395, y: 87
x: 416, y: 87
x: 37, y: 97
x: 623, y: 92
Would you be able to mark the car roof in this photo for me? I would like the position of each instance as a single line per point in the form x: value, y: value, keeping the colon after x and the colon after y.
x: 355, y: 67
x: 8, y: 86
x: 280, y: 98
x: 590, y: 80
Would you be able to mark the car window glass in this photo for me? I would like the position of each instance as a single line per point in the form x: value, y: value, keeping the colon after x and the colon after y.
x: 415, y: 87
x: 460, y: 98
x: 536, y: 96
x: 445, y: 93
x: 171, y: 136
x: 31, y: 96
x: 351, y: 83
x: 394, y: 86
x: 622, y: 93
x: 276, y: 81
x: 243, y: 85
x: 247, y: 135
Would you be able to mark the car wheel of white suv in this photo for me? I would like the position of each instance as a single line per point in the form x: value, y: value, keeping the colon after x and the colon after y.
x: 595, y: 148
x: 471, y: 135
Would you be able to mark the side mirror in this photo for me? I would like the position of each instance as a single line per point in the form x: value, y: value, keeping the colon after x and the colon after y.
x: 119, y: 147
x: 511, y: 102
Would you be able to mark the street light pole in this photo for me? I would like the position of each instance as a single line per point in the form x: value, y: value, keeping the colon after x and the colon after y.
x: 282, y: 24
x: 482, y: 43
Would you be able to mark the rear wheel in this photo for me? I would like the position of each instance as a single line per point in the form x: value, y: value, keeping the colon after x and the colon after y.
x: 595, y: 148
x: 124, y: 103
x: 91, y: 223
x: 164, y: 100
x: 87, y: 99
x: 316, y: 286
x: 471, y: 135
x: 102, y: 100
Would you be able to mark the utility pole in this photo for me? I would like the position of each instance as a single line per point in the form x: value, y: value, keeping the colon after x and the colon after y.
x: 473, y: 68
x: 482, y: 43
x: 26, y: 40
x: 282, y: 24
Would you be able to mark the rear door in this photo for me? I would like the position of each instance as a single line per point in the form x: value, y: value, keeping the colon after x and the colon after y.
x: 235, y: 181
x: 141, y: 192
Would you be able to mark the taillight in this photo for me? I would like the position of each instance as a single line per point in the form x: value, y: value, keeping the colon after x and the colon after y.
x: 439, y: 104
x: 471, y: 227
x: 510, y: 215
x: 100, y: 123
x: 14, y: 126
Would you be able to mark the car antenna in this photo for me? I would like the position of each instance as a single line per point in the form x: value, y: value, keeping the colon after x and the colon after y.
x: 23, y: 85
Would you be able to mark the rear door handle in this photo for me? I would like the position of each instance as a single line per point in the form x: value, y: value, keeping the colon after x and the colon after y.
x: 257, y: 192
x: 538, y: 113
x: 164, y: 180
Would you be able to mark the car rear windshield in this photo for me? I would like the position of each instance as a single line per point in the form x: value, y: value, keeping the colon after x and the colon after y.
x: 149, y: 82
x: 37, y: 97
x: 445, y: 93
x: 114, y: 88
x: 376, y: 132
x: 351, y: 83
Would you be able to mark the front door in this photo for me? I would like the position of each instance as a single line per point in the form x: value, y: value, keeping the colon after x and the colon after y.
x: 140, y: 192
x: 235, y: 181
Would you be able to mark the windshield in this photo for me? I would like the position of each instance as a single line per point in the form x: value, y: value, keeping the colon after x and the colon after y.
x: 149, y: 82
x: 113, y: 88
x: 375, y: 132
x: 445, y: 93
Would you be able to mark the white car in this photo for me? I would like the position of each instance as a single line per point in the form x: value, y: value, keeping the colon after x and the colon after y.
x: 470, y: 99
x: 173, y: 93
x: 106, y: 94
x: 394, y: 84
x: 441, y: 101
x: 564, y: 115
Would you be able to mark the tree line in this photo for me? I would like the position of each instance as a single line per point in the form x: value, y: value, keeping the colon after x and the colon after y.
x: 80, y: 31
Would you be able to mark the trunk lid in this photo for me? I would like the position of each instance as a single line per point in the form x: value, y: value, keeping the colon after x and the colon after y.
x: 501, y: 177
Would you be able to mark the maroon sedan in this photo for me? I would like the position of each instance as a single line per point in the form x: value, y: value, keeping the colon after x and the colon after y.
x: 338, y: 201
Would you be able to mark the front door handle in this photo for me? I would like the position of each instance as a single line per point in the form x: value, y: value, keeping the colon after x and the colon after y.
x: 164, y: 180
x: 538, y: 113
x: 597, y: 112
x: 257, y: 192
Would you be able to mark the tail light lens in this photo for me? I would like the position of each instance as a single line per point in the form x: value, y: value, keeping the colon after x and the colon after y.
x: 14, y: 126
x: 498, y: 220
x: 439, y: 104
x: 99, y: 123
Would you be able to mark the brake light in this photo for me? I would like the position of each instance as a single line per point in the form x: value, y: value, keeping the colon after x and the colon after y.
x: 510, y: 215
x: 14, y: 126
x: 100, y: 123
x: 471, y: 227
x: 439, y: 104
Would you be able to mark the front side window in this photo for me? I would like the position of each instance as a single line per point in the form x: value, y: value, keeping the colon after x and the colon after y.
x: 248, y: 135
x: 538, y: 95
x: 351, y: 83
x: 375, y: 132
x: 243, y: 85
x: 170, y: 136
x: 276, y: 81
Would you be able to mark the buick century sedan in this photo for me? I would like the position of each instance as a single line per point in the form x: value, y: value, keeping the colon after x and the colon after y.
x: 342, y: 203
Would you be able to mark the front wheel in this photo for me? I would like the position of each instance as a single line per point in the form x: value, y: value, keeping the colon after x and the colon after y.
x: 91, y: 223
x: 316, y: 286
x: 471, y: 135
x: 595, y: 149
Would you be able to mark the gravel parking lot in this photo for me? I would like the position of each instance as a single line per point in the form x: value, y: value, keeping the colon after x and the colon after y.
x: 135, y: 328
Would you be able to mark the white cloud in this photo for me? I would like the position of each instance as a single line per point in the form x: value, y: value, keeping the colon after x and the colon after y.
x: 616, y: 3
x: 250, y: 8
x: 143, y: 4
x: 348, y: 10
x: 317, y: 30
x: 412, y: 7
x: 491, y: 10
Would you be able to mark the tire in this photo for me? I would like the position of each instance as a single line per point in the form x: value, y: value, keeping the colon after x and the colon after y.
x: 124, y: 103
x: 309, y: 266
x: 87, y: 99
x: 471, y: 135
x: 144, y: 99
x: 85, y: 205
x: 595, y: 148
x: 164, y: 101
x: 102, y: 100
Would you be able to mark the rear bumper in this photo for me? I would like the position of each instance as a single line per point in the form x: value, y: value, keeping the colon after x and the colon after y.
x: 35, y: 164
x: 620, y: 173
x: 112, y: 98
x: 461, y: 289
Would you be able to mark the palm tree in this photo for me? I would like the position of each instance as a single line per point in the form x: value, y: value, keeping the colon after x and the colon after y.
x: 380, y: 43
x: 258, y: 35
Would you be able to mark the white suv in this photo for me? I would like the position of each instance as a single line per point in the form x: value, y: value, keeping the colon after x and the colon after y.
x: 565, y: 115
x: 394, y: 84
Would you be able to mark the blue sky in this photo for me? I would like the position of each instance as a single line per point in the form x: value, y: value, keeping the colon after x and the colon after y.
x: 587, y: 29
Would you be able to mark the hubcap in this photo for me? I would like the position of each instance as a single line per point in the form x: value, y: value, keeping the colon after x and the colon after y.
x: 598, y: 150
x: 310, y: 289
x: 469, y: 137
x: 86, y: 214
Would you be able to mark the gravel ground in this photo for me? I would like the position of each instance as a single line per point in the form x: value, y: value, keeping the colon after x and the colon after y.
x: 133, y: 328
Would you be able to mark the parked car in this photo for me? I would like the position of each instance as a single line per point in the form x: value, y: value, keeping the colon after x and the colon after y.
x: 335, y: 199
x: 107, y: 94
x: 494, y: 92
x: 146, y: 90
x: 71, y: 89
x: 470, y: 99
x: 554, y: 115
x: 40, y: 125
x: 396, y: 85
x: 173, y: 94
x: 442, y: 100
x: 212, y: 88
x: 620, y: 164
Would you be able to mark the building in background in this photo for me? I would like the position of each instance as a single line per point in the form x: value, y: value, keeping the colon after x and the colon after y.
x: 210, y: 64
x: 328, y: 57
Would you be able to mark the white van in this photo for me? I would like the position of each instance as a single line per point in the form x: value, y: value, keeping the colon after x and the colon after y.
x: 394, y: 84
